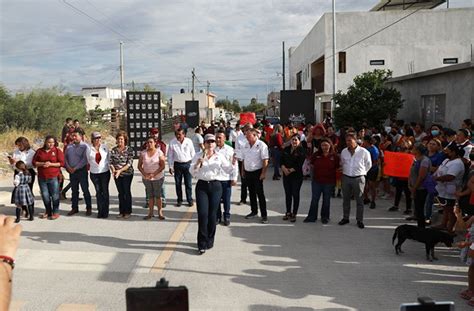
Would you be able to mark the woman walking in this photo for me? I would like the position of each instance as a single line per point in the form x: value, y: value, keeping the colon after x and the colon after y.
x: 121, y: 165
x: 292, y: 160
x: 206, y: 167
x: 99, y: 162
x: 325, y: 164
x: 152, y: 164
x: 49, y: 160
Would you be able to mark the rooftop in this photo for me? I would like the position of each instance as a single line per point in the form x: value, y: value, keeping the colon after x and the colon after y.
x: 385, y: 5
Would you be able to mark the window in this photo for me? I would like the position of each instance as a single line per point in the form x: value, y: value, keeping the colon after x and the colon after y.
x: 299, y: 84
x: 377, y: 62
x: 95, y: 95
x: 433, y: 108
x: 342, y: 62
x: 450, y: 60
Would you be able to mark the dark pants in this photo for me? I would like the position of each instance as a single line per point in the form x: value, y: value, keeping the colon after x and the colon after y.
x: 101, y: 185
x: 420, y: 200
x: 208, y: 197
x: 226, y: 194
x: 353, y: 186
x: 276, y: 156
x: 316, y: 190
x: 243, y: 185
x: 50, y: 194
x: 124, y: 183
x: 292, y: 188
x: 181, y: 170
x: 79, y: 177
x: 255, y: 186
x: 402, y: 186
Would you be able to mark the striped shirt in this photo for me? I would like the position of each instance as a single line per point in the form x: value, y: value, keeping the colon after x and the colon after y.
x: 119, y: 159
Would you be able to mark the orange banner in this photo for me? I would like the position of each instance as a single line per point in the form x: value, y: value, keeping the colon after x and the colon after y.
x: 397, y: 164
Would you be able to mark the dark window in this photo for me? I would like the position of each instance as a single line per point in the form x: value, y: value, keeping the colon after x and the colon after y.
x: 95, y: 95
x: 450, y: 60
x: 299, y: 83
x: 342, y: 62
x: 433, y: 108
x: 377, y: 62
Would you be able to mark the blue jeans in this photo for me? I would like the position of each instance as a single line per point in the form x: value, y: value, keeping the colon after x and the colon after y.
x: 429, y: 205
x: 226, y: 194
x: 80, y: 177
x: 181, y: 170
x: 208, y: 198
x: 50, y: 194
x: 101, y: 185
x: 276, y: 156
x: 316, y: 190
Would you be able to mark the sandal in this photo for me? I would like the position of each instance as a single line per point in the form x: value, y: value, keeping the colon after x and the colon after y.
x: 43, y: 216
x: 147, y: 217
x: 161, y: 217
x: 466, y: 294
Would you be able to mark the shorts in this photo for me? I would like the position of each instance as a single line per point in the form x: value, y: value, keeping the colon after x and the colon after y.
x: 373, y: 173
x: 153, y: 187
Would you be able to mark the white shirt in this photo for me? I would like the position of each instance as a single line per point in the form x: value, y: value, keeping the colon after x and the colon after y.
x: 357, y: 164
x: 233, y: 135
x: 228, y: 152
x: 180, y: 152
x: 253, y: 156
x: 25, y: 156
x: 210, y: 169
x: 240, y: 143
x: 467, y: 149
x: 104, y: 164
x: 446, y: 189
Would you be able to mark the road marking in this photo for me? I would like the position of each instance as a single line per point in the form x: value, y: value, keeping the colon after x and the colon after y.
x: 164, y: 257
x: 76, y: 307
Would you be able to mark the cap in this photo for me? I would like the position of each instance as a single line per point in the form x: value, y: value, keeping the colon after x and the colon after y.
x: 209, y: 137
x: 95, y: 135
x: 154, y: 131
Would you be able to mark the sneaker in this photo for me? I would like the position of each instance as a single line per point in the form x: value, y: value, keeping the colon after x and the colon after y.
x: 372, y: 205
x: 54, y: 216
x: 251, y: 215
x: 343, y: 222
x: 393, y: 209
x: 264, y: 220
x: 72, y: 212
x: 360, y: 224
x: 201, y: 251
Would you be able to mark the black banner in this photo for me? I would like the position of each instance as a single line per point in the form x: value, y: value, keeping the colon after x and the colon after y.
x: 192, y: 113
x: 297, y: 106
x: 143, y: 114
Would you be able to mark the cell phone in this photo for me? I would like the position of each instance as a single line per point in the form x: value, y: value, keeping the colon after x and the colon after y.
x: 437, y: 306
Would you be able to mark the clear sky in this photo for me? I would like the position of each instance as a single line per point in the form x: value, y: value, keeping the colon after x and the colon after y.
x: 235, y: 44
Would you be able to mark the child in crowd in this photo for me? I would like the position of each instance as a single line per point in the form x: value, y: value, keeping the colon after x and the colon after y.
x: 22, y: 192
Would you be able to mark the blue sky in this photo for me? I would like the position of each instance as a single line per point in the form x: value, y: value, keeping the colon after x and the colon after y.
x: 235, y: 44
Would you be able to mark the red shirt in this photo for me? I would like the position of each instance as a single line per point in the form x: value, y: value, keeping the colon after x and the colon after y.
x: 324, y: 168
x: 54, y: 155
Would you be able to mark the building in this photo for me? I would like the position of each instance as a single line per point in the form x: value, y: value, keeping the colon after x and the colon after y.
x: 388, y: 37
x: 273, y: 104
x: 444, y: 95
x: 207, y: 104
x: 102, y: 97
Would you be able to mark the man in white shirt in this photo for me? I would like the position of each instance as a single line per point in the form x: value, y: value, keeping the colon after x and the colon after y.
x: 355, y: 163
x: 254, y: 164
x: 240, y: 143
x: 180, y: 153
x: 227, y: 180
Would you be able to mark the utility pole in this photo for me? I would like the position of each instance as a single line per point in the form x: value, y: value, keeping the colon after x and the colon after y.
x: 192, y: 90
x: 334, y: 86
x: 207, y: 94
x: 283, y: 69
x: 121, y: 72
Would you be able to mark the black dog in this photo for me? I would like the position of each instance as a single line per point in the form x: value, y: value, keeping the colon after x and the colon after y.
x: 429, y: 236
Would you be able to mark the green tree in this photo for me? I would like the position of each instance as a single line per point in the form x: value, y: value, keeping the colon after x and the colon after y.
x: 148, y: 88
x: 368, y: 101
x: 236, y: 106
x: 5, y: 100
x: 254, y: 107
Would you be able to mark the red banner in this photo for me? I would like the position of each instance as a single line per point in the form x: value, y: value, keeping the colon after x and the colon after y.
x: 247, y: 117
x: 397, y: 164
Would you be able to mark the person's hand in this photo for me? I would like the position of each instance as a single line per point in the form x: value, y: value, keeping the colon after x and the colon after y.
x: 233, y: 183
x: 117, y: 174
x: 11, y: 160
x: 150, y: 176
x: 9, y: 236
x: 457, y: 212
x: 47, y: 164
x: 262, y: 176
x: 171, y: 171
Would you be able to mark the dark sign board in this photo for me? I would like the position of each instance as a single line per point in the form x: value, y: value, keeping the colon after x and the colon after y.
x: 192, y: 113
x: 297, y: 106
x: 143, y: 114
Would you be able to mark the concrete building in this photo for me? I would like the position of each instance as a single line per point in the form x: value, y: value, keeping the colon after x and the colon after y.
x: 273, y: 104
x: 444, y: 95
x: 404, y: 41
x: 207, y: 104
x: 101, y: 96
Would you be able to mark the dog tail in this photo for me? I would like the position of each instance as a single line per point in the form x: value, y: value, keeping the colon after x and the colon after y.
x: 395, y: 234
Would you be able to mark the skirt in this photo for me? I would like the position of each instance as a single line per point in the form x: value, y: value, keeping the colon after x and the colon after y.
x: 23, y: 195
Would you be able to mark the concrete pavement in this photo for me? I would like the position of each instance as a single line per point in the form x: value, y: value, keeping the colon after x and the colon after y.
x: 85, y: 263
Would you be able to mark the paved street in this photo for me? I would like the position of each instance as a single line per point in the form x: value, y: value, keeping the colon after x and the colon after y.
x: 85, y: 263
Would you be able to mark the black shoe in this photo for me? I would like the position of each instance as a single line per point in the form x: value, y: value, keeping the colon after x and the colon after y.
x: 202, y: 251
x: 178, y: 204
x: 339, y: 193
x: 360, y: 224
x: 393, y: 209
x: 191, y: 203
x: 407, y: 212
x: 251, y: 215
x: 372, y: 205
x: 72, y: 212
x: 242, y: 203
x: 343, y: 222
x: 264, y: 220
x: 325, y: 221
x: 309, y: 220
x: 366, y: 201
x: 227, y: 222
x: 88, y: 212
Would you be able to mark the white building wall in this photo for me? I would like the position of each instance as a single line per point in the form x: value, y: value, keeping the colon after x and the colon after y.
x: 102, y: 92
